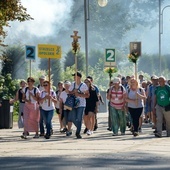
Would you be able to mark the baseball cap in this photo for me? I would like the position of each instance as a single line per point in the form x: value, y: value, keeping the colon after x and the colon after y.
x: 154, y: 77
x: 78, y: 74
x: 67, y: 82
x: 42, y: 77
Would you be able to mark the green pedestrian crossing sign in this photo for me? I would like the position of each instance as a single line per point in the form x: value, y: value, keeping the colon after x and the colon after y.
x: 110, y: 55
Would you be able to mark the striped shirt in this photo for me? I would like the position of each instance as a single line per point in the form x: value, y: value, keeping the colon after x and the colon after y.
x: 116, y: 99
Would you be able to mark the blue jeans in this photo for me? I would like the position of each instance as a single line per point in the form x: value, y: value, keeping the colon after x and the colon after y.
x: 77, y: 117
x: 47, y: 116
x: 41, y: 122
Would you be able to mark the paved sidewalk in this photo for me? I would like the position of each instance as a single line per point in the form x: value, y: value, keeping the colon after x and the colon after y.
x: 100, y: 151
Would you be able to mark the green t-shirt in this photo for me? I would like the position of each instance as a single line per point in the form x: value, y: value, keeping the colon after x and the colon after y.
x: 162, y: 95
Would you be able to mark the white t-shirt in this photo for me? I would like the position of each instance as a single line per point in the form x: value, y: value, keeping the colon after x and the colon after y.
x: 45, y: 105
x: 34, y: 91
x: 63, y: 96
x: 83, y: 88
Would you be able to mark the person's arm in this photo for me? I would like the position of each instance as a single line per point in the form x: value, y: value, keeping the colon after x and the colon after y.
x: 108, y: 94
x: 16, y: 98
x: 142, y: 95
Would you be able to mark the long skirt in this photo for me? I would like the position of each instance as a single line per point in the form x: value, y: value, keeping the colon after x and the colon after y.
x: 31, y: 117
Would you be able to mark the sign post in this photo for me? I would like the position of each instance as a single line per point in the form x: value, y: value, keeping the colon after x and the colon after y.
x: 30, y: 54
x: 135, y: 49
x: 75, y: 49
x: 110, y: 57
x: 49, y: 51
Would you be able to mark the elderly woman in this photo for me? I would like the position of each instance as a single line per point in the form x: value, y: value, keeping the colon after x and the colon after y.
x: 63, y: 110
x: 116, y: 97
x: 135, y: 101
x: 31, y: 109
x: 48, y: 101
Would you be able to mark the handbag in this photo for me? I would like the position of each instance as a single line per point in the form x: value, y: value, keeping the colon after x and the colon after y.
x: 71, y: 102
x: 167, y: 108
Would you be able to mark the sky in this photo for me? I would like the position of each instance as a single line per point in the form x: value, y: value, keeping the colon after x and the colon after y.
x: 45, y: 12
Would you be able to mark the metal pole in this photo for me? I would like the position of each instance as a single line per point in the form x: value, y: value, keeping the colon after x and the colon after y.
x: 160, y: 36
x: 86, y: 33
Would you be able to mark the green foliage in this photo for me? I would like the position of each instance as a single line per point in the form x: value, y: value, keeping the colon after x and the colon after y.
x: 8, y: 87
x: 13, y: 62
x: 10, y: 11
x: 70, y: 61
x: 16, y: 111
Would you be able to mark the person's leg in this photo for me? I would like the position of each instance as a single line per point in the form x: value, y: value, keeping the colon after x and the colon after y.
x: 79, y: 118
x: 92, y: 121
x: 41, y: 123
x: 109, y: 118
x: 114, y: 120
x: 159, y: 120
x: 122, y: 121
x: 135, y: 114
x: 71, y: 117
x: 49, y: 116
x: 167, y: 120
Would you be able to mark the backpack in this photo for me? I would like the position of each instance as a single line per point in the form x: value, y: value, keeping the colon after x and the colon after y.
x: 122, y: 88
x: 140, y: 89
x: 34, y: 90
x: 72, y: 101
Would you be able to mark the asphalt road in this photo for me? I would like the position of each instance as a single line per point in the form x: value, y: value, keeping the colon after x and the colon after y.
x: 100, y: 151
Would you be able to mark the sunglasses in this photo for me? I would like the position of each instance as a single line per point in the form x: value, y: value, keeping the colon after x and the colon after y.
x: 45, y: 84
x: 29, y: 81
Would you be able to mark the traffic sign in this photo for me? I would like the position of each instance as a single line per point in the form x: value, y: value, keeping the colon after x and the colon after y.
x: 30, y: 52
x: 49, y: 51
x: 110, y: 55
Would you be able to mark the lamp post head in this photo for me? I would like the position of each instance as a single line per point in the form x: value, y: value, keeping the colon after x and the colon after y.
x: 102, y: 3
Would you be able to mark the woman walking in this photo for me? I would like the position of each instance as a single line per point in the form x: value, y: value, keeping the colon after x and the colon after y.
x: 48, y: 101
x: 91, y: 107
x: 116, y: 96
x: 135, y: 101
x: 31, y: 109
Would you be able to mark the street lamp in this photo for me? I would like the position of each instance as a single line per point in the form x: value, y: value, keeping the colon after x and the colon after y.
x: 101, y: 3
x: 161, y: 31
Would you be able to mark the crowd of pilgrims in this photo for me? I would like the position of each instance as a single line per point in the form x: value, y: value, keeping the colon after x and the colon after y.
x: 131, y: 103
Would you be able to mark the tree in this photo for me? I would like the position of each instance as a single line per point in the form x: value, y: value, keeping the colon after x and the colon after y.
x: 11, y: 10
x: 70, y: 60
x: 13, y: 62
x: 56, y: 68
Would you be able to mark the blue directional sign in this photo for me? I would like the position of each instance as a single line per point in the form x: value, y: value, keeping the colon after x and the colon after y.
x: 30, y: 52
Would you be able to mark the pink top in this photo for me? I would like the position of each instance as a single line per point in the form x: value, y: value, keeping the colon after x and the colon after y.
x: 116, y: 99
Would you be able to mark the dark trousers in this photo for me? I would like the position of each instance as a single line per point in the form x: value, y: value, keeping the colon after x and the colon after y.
x: 135, y: 114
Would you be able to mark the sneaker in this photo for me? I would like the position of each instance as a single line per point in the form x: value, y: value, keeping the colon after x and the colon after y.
x: 78, y: 136
x: 68, y: 133
x: 23, y: 137
x: 135, y: 134
x: 155, y: 131
x: 89, y: 132
x: 122, y: 133
x: 51, y: 132
x: 158, y: 135
x: 109, y: 129
x: 36, y: 136
x: 140, y: 129
x: 115, y: 134
x: 85, y: 130
x: 41, y: 134
x: 95, y: 128
x: 47, y: 136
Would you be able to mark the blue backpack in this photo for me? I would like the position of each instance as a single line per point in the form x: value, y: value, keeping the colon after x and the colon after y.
x: 72, y: 101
